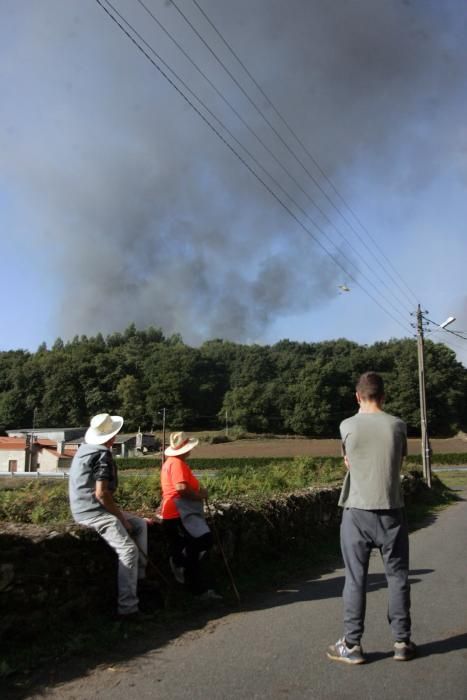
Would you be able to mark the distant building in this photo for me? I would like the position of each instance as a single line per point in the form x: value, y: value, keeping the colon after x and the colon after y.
x: 52, y: 449
x: 56, y: 434
x: 18, y: 454
x: 126, y: 444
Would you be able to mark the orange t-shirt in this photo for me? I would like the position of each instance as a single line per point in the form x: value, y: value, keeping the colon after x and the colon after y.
x: 174, y: 471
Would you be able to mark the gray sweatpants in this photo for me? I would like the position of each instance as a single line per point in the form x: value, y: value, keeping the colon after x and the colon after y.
x: 386, y: 530
x: 131, y: 560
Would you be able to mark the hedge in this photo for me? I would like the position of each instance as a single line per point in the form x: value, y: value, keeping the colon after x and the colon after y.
x: 455, y: 458
x: 438, y: 460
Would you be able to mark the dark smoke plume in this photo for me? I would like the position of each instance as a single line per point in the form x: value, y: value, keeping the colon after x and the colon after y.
x: 147, y: 217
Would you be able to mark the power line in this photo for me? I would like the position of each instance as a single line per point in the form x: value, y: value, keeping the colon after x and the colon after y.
x: 453, y: 345
x: 310, y: 155
x: 230, y: 147
x: 269, y: 151
x: 289, y: 149
x: 456, y: 333
x: 447, y: 330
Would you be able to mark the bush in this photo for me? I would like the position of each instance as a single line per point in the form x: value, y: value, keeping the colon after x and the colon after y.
x: 37, y: 503
x: 253, y: 479
x: 454, y: 458
x: 153, y: 462
x: 237, y: 433
x: 139, y: 493
x: 219, y: 439
x: 280, y: 476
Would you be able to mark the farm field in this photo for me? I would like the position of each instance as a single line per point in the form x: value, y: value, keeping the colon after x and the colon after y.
x: 292, y: 447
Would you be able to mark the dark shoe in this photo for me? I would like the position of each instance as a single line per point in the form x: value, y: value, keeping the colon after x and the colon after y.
x: 341, y: 652
x: 135, y: 617
x: 404, y: 651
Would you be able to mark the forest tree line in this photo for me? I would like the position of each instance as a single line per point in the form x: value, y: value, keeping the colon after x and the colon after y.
x: 286, y: 388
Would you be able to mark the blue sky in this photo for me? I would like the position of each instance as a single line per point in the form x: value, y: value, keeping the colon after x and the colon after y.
x: 119, y: 204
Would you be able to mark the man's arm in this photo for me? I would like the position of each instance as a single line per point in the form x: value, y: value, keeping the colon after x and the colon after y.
x: 184, y: 490
x: 346, y: 459
x: 106, y: 499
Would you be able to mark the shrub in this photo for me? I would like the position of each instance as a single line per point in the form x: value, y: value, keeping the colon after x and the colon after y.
x: 153, y: 462
x: 237, y: 433
x: 219, y: 439
x: 36, y: 503
x: 139, y: 493
x: 454, y: 458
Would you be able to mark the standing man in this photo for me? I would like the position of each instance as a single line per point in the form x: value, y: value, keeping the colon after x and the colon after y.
x: 93, y: 480
x: 374, y: 444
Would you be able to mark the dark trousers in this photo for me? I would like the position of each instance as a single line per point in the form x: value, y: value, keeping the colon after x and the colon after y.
x: 386, y: 530
x: 185, y: 551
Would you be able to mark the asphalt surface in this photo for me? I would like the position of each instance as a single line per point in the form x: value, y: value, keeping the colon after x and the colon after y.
x: 276, y: 648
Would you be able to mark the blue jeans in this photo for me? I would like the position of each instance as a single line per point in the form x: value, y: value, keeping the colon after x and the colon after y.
x: 386, y: 530
x: 131, y: 560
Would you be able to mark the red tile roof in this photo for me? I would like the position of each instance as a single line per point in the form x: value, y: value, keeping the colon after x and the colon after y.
x: 66, y: 454
x: 9, y: 443
x: 15, y: 443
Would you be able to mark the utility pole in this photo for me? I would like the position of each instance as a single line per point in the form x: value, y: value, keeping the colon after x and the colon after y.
x: 426, y: 449
x: 31, y: 443
x: 163, y: 412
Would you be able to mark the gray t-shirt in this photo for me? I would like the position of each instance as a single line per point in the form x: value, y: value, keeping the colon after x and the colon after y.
x: 91, y: 463
x: 375, y: 445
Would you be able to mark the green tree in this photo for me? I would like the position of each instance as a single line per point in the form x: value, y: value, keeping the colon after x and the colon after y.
x: 131, y: 405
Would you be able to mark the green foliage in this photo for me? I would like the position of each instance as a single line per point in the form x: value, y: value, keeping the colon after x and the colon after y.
x: 143, y: 463
x: 438, y: 460
x: 286, y: 388
x: 258, y: 483
x: 42, y: 502
x: 36, y: 502
x: 252, y: 479
x: 139, y: 493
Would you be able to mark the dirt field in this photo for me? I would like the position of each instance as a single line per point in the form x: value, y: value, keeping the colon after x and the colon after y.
x: 291, y: 447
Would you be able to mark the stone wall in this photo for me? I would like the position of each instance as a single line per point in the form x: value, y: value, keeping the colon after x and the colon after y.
x: 49, y: 576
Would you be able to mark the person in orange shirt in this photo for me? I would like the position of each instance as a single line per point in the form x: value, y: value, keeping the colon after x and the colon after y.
x: 182, y: 512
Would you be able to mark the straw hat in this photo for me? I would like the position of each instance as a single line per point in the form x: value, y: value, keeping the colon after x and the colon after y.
x: 102, y: 428
x: 180, y: 443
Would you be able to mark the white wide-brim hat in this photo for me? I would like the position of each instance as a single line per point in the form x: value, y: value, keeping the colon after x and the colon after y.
x: 102, y: 428
x: 180, y: 443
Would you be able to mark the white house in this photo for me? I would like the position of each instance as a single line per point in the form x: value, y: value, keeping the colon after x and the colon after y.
x: 44, y: 455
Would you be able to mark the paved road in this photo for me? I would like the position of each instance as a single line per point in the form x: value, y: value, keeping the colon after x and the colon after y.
x: 275, y: 649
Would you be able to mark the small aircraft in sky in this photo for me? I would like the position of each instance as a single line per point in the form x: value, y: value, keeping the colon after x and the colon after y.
x: 343, y: 288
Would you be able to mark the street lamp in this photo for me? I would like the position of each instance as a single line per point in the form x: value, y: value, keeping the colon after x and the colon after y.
x: 425, y: 447
x: 445, y: 323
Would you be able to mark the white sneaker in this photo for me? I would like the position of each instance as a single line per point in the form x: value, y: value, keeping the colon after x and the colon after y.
x: 341, y: 652
x: 178, y: 571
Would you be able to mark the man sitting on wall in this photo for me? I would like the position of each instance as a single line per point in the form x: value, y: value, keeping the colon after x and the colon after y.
x: 93, y: 480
